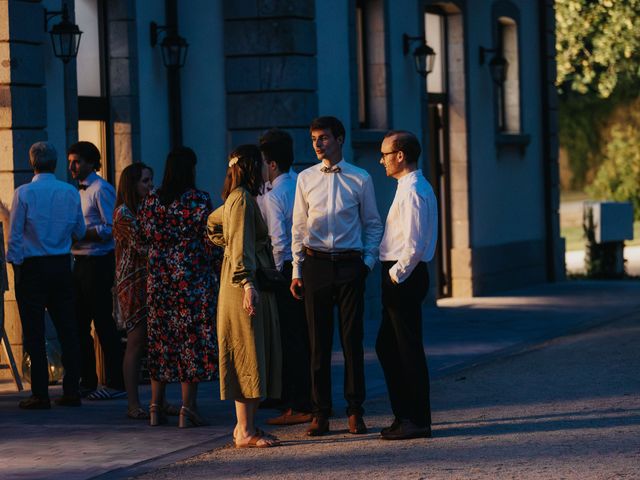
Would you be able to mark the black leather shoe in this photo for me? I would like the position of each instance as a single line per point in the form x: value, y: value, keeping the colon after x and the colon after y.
x: 35, y: 403
x: 393, y: 426
x: 356, y: 424
x: 405, y: 430
x: 68, y: 401
x: 319, y: 426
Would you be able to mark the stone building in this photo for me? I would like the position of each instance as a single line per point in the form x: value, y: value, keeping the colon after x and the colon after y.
x: 489, y: 135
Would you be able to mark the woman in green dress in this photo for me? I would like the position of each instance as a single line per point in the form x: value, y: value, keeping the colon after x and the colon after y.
x: 248, y: 330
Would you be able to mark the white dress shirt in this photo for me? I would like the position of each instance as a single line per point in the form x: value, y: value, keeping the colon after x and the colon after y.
x: 45, y: 215
x: 277, y: 209
x: 411, y: 230
x: 98, y: 201
x: 335, y: 212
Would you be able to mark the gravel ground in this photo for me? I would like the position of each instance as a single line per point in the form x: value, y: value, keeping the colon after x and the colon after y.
x: 569, y: 409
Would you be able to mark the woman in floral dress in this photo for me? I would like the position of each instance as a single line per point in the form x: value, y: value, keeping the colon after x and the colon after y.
x: 136, y: 181
x: 181, y: 287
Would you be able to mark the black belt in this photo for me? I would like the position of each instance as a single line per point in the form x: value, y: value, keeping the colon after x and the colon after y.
x: 334, y: 256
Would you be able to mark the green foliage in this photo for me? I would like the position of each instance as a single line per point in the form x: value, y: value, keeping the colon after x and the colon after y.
x: 597, y: 44
x: 581, y: 119
x: 618, y: 177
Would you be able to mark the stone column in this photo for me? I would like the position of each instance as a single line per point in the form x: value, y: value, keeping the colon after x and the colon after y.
x: 122, y: 52
x: 23, y: 116
x: 271, y: 80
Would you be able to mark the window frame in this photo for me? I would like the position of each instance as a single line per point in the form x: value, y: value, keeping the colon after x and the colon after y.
x: 507, y: 9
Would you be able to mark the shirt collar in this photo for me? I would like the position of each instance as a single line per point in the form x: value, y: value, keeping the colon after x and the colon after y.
x: 408, y: 178
x: 38, y: 177
x: 92, y: 177
x: 279, y: 179
x: 340, y: 164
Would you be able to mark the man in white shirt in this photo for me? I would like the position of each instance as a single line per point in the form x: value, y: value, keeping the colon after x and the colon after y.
x: 93, y: 275
x: 335, y: 236
x: 277, y: 209
x: 408, y: 243
x: 45, y: 216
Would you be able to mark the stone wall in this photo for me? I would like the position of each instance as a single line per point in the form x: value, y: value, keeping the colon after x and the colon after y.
x: 271, y: 71
x: 23, y: 117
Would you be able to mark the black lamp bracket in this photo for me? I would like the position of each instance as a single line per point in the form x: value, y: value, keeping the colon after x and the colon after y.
x: 51, y: 14
x: 483, y: 51
x: 407, y: 41
x: 155, y: 30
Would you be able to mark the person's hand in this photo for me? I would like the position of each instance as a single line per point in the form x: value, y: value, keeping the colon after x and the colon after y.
x: 250, y: 301
x: 297, y: 288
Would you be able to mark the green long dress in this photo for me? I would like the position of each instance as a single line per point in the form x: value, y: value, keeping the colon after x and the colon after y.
x: 249, y: 347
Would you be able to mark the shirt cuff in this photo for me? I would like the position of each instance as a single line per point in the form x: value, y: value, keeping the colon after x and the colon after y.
x: 370, y: 261
x: 248, y: 286
x: 296, y: 271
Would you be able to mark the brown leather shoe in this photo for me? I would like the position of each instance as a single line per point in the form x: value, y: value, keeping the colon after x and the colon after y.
x: 290, y: 417
x: 319, y: 426
x: 405, y: 430
x: 35, y: 403
x: 356, y: 424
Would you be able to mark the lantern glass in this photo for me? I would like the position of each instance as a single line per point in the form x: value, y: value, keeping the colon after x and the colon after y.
x: 174, y: 51
x: 498, y: 67
x: 65, y: 39
x: 424, y: 58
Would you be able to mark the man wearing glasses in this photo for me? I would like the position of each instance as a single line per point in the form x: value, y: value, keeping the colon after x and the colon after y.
x: 408, y: 243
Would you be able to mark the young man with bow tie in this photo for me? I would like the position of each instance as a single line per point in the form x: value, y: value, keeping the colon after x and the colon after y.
x: 409, y: 242
x: 93, y: 274
x: 335, y: 236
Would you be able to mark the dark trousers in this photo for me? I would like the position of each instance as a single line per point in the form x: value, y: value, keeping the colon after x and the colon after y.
x: 93, y: 280
x: 328, y: 283
x: 45, y: 282
x: 399, y: 345
x: 294, y: 335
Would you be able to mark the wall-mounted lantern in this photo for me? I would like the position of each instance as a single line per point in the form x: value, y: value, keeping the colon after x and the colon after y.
x: 498, y: 65
x: 423, y: 55
x: 174, y: 47
x: 65, y: 36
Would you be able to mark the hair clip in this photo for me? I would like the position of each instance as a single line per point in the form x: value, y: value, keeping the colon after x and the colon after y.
x: 233, y: 161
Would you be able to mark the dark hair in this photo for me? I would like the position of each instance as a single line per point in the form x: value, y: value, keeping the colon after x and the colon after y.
x: 277, y: 146
x: 328, y: 123
x: 407, y: 143
x: 87, y: 151
x: 127, y: 186
x: 245, y: 172
x: 179, y: 174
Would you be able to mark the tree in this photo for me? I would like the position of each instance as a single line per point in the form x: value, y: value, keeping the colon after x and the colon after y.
x: 597, y: 44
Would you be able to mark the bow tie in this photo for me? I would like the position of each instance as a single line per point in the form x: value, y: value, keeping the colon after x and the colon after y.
x: 81, y: 186
x: 334, y: 169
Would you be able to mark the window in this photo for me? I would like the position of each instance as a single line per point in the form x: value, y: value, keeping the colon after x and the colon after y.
x: 371, y: 64
x: 509, y: 92
x: 93, y: 100
x: 434, y: 28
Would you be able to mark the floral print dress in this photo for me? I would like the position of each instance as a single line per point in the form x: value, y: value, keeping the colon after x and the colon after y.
x: 182, y: 288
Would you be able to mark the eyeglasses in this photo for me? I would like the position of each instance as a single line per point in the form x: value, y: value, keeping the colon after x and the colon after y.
x: 384, y: 154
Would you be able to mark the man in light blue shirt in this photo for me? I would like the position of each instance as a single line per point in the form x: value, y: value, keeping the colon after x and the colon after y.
x: 45, y: 216
x: 93, y: 274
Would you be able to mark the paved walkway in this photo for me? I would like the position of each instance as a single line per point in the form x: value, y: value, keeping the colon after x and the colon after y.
x: 567, y: 410
x: 98, y: 440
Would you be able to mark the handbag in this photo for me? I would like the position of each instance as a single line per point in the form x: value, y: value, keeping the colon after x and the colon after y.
x: 269, y: 279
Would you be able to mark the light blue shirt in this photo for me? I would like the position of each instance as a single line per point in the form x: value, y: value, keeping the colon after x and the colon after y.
x: 45, y: 215
x: 98, y: 201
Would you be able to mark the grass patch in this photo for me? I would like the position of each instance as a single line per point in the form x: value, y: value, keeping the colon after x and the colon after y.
x: 574, y: 237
